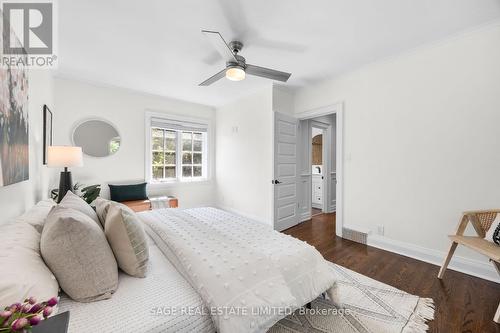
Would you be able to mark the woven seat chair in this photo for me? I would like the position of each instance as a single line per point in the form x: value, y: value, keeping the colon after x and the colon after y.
x: 481, y: 221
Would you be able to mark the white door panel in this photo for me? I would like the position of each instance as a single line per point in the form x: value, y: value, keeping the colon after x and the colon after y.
x: 285, y: 171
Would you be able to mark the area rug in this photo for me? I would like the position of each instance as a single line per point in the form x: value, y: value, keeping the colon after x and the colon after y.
x: 360, y: 305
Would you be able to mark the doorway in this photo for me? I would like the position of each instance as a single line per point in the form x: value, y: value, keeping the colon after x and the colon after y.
x: 293, y: 166
x: 317, y: 162
x: 317, y: 144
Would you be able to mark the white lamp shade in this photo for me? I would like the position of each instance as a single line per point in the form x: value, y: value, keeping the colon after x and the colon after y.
x: 64, y: 156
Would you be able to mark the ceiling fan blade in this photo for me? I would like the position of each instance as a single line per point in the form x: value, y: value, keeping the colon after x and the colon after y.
x: 220, y: 45
x: 214, y: 78
x: 234, y: 13
x: 267, y: 73
x: 212, y: 58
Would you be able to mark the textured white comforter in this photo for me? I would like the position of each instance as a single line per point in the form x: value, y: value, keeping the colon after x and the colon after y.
x: 248, y: 275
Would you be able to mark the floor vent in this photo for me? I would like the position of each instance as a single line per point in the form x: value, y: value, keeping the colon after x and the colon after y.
x: 354, y: 235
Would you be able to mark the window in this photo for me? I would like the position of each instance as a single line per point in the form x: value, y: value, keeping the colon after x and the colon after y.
x: 163, y: 153
x: 192, y: 154
x: 178, y: 150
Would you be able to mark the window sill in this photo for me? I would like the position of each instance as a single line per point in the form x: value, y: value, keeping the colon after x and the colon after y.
x: 177, y: 183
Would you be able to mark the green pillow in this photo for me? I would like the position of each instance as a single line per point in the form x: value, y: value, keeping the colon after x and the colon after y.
x: 122, y: 193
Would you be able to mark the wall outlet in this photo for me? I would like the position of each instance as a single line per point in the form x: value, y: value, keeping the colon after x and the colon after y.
x: 380, y: 230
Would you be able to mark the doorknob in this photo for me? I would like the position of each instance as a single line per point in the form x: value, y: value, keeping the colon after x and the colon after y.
x: 277, y: 181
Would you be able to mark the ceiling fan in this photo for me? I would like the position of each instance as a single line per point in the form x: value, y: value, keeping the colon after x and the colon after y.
x: 236, y: 66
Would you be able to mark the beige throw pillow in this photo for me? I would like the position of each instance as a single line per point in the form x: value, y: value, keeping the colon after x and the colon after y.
x: 73, y: 201
x: 102, y: 207
x: 76, y: 251
x: 128, y: 240
x: 22, y: 270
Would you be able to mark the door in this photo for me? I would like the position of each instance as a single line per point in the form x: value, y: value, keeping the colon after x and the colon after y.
x: 285, y: 171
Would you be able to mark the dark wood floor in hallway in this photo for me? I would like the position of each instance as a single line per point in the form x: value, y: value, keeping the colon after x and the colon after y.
x: 463, y: 303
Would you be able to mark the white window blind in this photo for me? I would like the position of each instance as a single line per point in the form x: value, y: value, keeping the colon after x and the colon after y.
x: 177, y: 125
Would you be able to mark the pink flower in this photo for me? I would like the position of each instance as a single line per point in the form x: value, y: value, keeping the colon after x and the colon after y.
x: 47, y: 311
x: 15, y: 307
x: 32, y: 300
x: 52, y: 302
x: 5, y: 314
x: 35, y: 320
x: 35, y: 308
x: 25, y: 308
x: 19, y: 324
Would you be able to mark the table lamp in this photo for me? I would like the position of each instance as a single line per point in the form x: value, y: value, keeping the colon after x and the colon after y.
x: 64, y: 157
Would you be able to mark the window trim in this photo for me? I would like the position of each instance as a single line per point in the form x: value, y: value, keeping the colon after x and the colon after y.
x: 208, y: 150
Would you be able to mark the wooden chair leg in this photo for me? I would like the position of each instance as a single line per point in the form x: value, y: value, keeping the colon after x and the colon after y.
x: 446, y: 262
x: 496, y: 319
x: 497, y: 266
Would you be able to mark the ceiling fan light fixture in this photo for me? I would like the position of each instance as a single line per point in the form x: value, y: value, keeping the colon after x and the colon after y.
x: 235, y: 73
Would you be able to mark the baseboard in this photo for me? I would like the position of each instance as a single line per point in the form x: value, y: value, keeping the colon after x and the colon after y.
x: 484, y: 270
x: 305, y: 217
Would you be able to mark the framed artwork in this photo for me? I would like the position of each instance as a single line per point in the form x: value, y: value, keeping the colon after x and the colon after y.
x: 47, y: 131
x: 14, y: 133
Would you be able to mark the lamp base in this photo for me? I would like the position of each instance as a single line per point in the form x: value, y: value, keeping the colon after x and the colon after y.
x: 65, y: 184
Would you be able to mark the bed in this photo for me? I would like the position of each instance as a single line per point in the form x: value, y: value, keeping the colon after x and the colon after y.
x: 204, y: 261
x: 157, y: 303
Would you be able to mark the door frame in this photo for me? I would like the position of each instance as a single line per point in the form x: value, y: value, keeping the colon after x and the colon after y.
x: 338, y: 110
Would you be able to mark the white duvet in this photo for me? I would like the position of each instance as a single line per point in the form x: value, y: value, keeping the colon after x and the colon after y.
x: 248, y: 275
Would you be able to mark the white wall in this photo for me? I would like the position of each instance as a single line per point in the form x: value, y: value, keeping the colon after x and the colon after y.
x: 126, y: 110
x: 422, y: 137
x: 17, y: 198
x: 282, y: 99
x: 244, y: 159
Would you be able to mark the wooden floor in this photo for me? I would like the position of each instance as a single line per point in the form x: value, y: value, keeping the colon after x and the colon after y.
x: 463, y: 303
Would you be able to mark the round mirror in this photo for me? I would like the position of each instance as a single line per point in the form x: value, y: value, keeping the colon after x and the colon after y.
x: 98, y: 138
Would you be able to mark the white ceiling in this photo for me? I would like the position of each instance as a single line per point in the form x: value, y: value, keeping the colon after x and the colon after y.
x: 156, y: 46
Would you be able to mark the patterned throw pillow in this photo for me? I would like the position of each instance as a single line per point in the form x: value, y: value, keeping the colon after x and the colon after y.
x: 128, y: 240
x: 102, y: 207
x: 493, y: 234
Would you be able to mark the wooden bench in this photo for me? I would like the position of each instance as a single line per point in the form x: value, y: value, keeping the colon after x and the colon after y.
x: 481, y: 221
x: 142, y: 205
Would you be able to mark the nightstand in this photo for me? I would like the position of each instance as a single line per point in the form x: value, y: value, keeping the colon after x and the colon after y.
x: 55, y: 324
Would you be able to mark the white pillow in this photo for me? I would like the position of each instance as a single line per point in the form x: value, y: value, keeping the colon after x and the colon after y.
x: 493, y: 234
x: 37, y: 214
x: 23, y: 271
